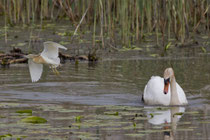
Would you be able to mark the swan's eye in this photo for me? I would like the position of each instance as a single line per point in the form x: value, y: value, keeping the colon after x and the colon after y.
x: 166, y: 81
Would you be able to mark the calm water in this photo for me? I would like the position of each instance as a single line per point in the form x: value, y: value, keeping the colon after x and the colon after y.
x: 107, y: 97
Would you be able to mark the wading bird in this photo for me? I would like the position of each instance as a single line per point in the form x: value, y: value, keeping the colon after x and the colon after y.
x: 164, y: 91
x: 49, y: 56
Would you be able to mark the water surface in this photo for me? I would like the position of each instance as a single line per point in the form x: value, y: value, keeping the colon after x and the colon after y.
x: 107, y: 97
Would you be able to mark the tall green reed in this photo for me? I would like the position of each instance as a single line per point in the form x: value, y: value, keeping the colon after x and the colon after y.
x: 129, y: 20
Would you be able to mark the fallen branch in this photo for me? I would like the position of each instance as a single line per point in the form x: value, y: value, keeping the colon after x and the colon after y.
x: 21, y: 60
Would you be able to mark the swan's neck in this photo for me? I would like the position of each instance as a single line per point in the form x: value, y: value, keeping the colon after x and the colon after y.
x: 174, y: 94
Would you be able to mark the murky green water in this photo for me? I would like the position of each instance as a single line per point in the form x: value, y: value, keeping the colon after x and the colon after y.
x: 103, y: 101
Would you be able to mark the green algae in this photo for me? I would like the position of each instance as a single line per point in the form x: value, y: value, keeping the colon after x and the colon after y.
x: 112, y: 113
x: 25, y: 112
x: 34, y: 119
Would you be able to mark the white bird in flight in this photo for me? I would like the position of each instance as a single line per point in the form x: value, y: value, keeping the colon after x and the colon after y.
x: 48, y: 56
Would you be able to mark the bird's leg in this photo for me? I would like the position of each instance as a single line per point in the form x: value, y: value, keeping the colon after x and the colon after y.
x: 56, y: 71
x: 53, y: 69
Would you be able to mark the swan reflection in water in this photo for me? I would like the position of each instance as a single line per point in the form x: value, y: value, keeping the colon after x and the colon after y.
x: 166, y: 116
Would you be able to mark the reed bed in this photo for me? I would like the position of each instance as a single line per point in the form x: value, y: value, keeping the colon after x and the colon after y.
x: 129, y: 20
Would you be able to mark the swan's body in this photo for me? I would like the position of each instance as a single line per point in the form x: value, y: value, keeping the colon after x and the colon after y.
x: 158, y: 93
x: 48, y: 56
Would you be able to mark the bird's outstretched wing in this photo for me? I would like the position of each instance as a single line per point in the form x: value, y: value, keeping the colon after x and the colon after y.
x: 50, y: 52
x: 35, y: 70
x: 51, y: 49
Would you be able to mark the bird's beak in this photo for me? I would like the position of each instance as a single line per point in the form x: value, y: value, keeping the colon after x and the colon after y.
x: 166, y: 85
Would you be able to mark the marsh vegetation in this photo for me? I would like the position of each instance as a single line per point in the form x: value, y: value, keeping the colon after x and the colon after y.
x: 113, y: 22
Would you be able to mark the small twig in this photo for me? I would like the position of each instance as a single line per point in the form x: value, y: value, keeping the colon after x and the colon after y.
x: 80, y: 22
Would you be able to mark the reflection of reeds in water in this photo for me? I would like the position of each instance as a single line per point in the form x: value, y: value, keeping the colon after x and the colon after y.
x: 131, y: 20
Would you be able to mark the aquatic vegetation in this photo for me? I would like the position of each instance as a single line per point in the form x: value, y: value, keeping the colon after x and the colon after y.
x: 151, y: 115
x: 154, y: 55
x: 112, y: 113
x: 167, y: 46
x: 179, y: 113
x: 203, y: 49
x: 10, y: 136
x: 34, y: 119
x: 82, y: 123
x: 65, y: 33
x: 78, y: 119
x: 6, y: 136
x: 24, y: 111
x: 27, y: 112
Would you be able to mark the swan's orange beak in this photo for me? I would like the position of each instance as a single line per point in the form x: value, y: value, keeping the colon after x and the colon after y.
x: 166, y: 85
x: 166, y: 88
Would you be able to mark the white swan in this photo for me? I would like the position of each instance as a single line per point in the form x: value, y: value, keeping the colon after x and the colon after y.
x: 164, y: 91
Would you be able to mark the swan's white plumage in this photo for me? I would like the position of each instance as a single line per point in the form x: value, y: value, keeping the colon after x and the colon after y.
x: 153, y: 93
x: 35, y: 70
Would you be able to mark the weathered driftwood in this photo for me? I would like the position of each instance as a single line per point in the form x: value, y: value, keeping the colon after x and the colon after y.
x: 90, y: 57
x: 15, y: 56
x: 65, y: 56
x: 12, y: 55
x: 20, y: 60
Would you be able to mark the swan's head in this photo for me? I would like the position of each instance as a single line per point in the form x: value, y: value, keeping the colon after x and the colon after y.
x: 168, y: 74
